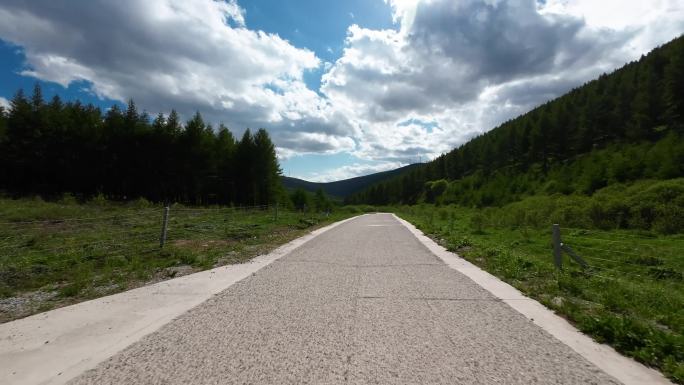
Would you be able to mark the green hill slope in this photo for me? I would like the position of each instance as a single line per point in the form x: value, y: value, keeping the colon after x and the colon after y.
x: 621, y: 127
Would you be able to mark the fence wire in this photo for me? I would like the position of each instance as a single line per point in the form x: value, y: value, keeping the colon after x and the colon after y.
x: 36, y: 250
x: 626, y: 257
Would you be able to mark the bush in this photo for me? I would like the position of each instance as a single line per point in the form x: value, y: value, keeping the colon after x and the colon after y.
x: 477, y: 223
x: 645, y: 205
x: 460, y: 243
x: 141, y: 203
x: 68, y: 199
x: 434, y: 190
x: 98, y: 200
x: 669, y: 219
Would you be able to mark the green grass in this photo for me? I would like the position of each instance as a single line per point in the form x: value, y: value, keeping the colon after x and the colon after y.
x: 57, y: 253
x: 631, y: 296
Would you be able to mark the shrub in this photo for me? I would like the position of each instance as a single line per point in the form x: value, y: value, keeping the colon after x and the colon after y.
x: 68, y: 199
x: 669, y: 219
x: 98, y: 200
x: 141, y: 203
x: 477, y: 223
x: 460, y: 243
x: 434, y: 190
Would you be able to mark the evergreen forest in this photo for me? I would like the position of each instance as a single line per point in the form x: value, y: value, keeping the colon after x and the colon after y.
x: 48, y: 148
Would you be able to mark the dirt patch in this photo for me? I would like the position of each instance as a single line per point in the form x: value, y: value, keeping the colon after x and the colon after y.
x: 198, y: 244
x: 228, y: 259
x: 100, y: 291
x: 24, y: 304
x: 177, y: 271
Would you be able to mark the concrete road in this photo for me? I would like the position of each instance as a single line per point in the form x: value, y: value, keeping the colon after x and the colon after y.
x: 364, y: 303
x: 53, y: 347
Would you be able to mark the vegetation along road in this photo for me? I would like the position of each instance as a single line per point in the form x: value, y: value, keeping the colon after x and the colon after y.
x: 365, y: 302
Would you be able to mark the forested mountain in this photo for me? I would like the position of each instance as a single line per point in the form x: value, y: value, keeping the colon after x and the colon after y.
x: 49, y: 148
x: 345, y: 187
x: 620, y: 127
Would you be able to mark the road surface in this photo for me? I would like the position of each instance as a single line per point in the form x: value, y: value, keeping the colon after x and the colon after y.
x: 363, y: 303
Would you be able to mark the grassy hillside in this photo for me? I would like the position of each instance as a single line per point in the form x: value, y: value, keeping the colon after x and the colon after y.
x: 608, y: 178
x: 346, y: 187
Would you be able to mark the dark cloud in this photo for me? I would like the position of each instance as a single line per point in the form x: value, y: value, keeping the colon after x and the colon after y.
x: 302, y: 142
x: 496, y: 40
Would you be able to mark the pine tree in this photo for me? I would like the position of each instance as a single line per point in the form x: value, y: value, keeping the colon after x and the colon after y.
x: 267, y: 169
x: 320, y: 201
x: 20, y: 153
x: 3, y: 144
x: 37, y: 101
x: 132, y: 116
x: 159, y: 123
x: 173, y: 124
x: 246, y: 177
x: 194, y: 168
x: 3, y: 123
x: 300, y: 199
x: 644, y: 109
x: 674, y: 87
x: 225, y: 155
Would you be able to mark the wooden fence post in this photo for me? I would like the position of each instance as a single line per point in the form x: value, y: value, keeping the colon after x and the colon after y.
x: 557, y: 251
x: 559, y: 247
x: 165, y: 222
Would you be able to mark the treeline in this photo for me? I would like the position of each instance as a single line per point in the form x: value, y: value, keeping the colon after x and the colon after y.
x: 318, y: 201
x: 51, y: 147
x: 643, y: 102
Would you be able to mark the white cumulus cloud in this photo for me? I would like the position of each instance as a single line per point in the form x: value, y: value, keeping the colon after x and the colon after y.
x: 351, y: 171
x: 4, y: 103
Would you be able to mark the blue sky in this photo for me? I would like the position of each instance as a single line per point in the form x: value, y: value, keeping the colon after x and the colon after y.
x: 345, y: 88
x: 320, y: 26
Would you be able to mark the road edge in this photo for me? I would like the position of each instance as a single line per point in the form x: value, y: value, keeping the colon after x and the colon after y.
x: 58, y: 345
x: 622, y: 368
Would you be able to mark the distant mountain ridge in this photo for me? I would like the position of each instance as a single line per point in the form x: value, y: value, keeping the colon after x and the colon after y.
x: 345, y: 187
